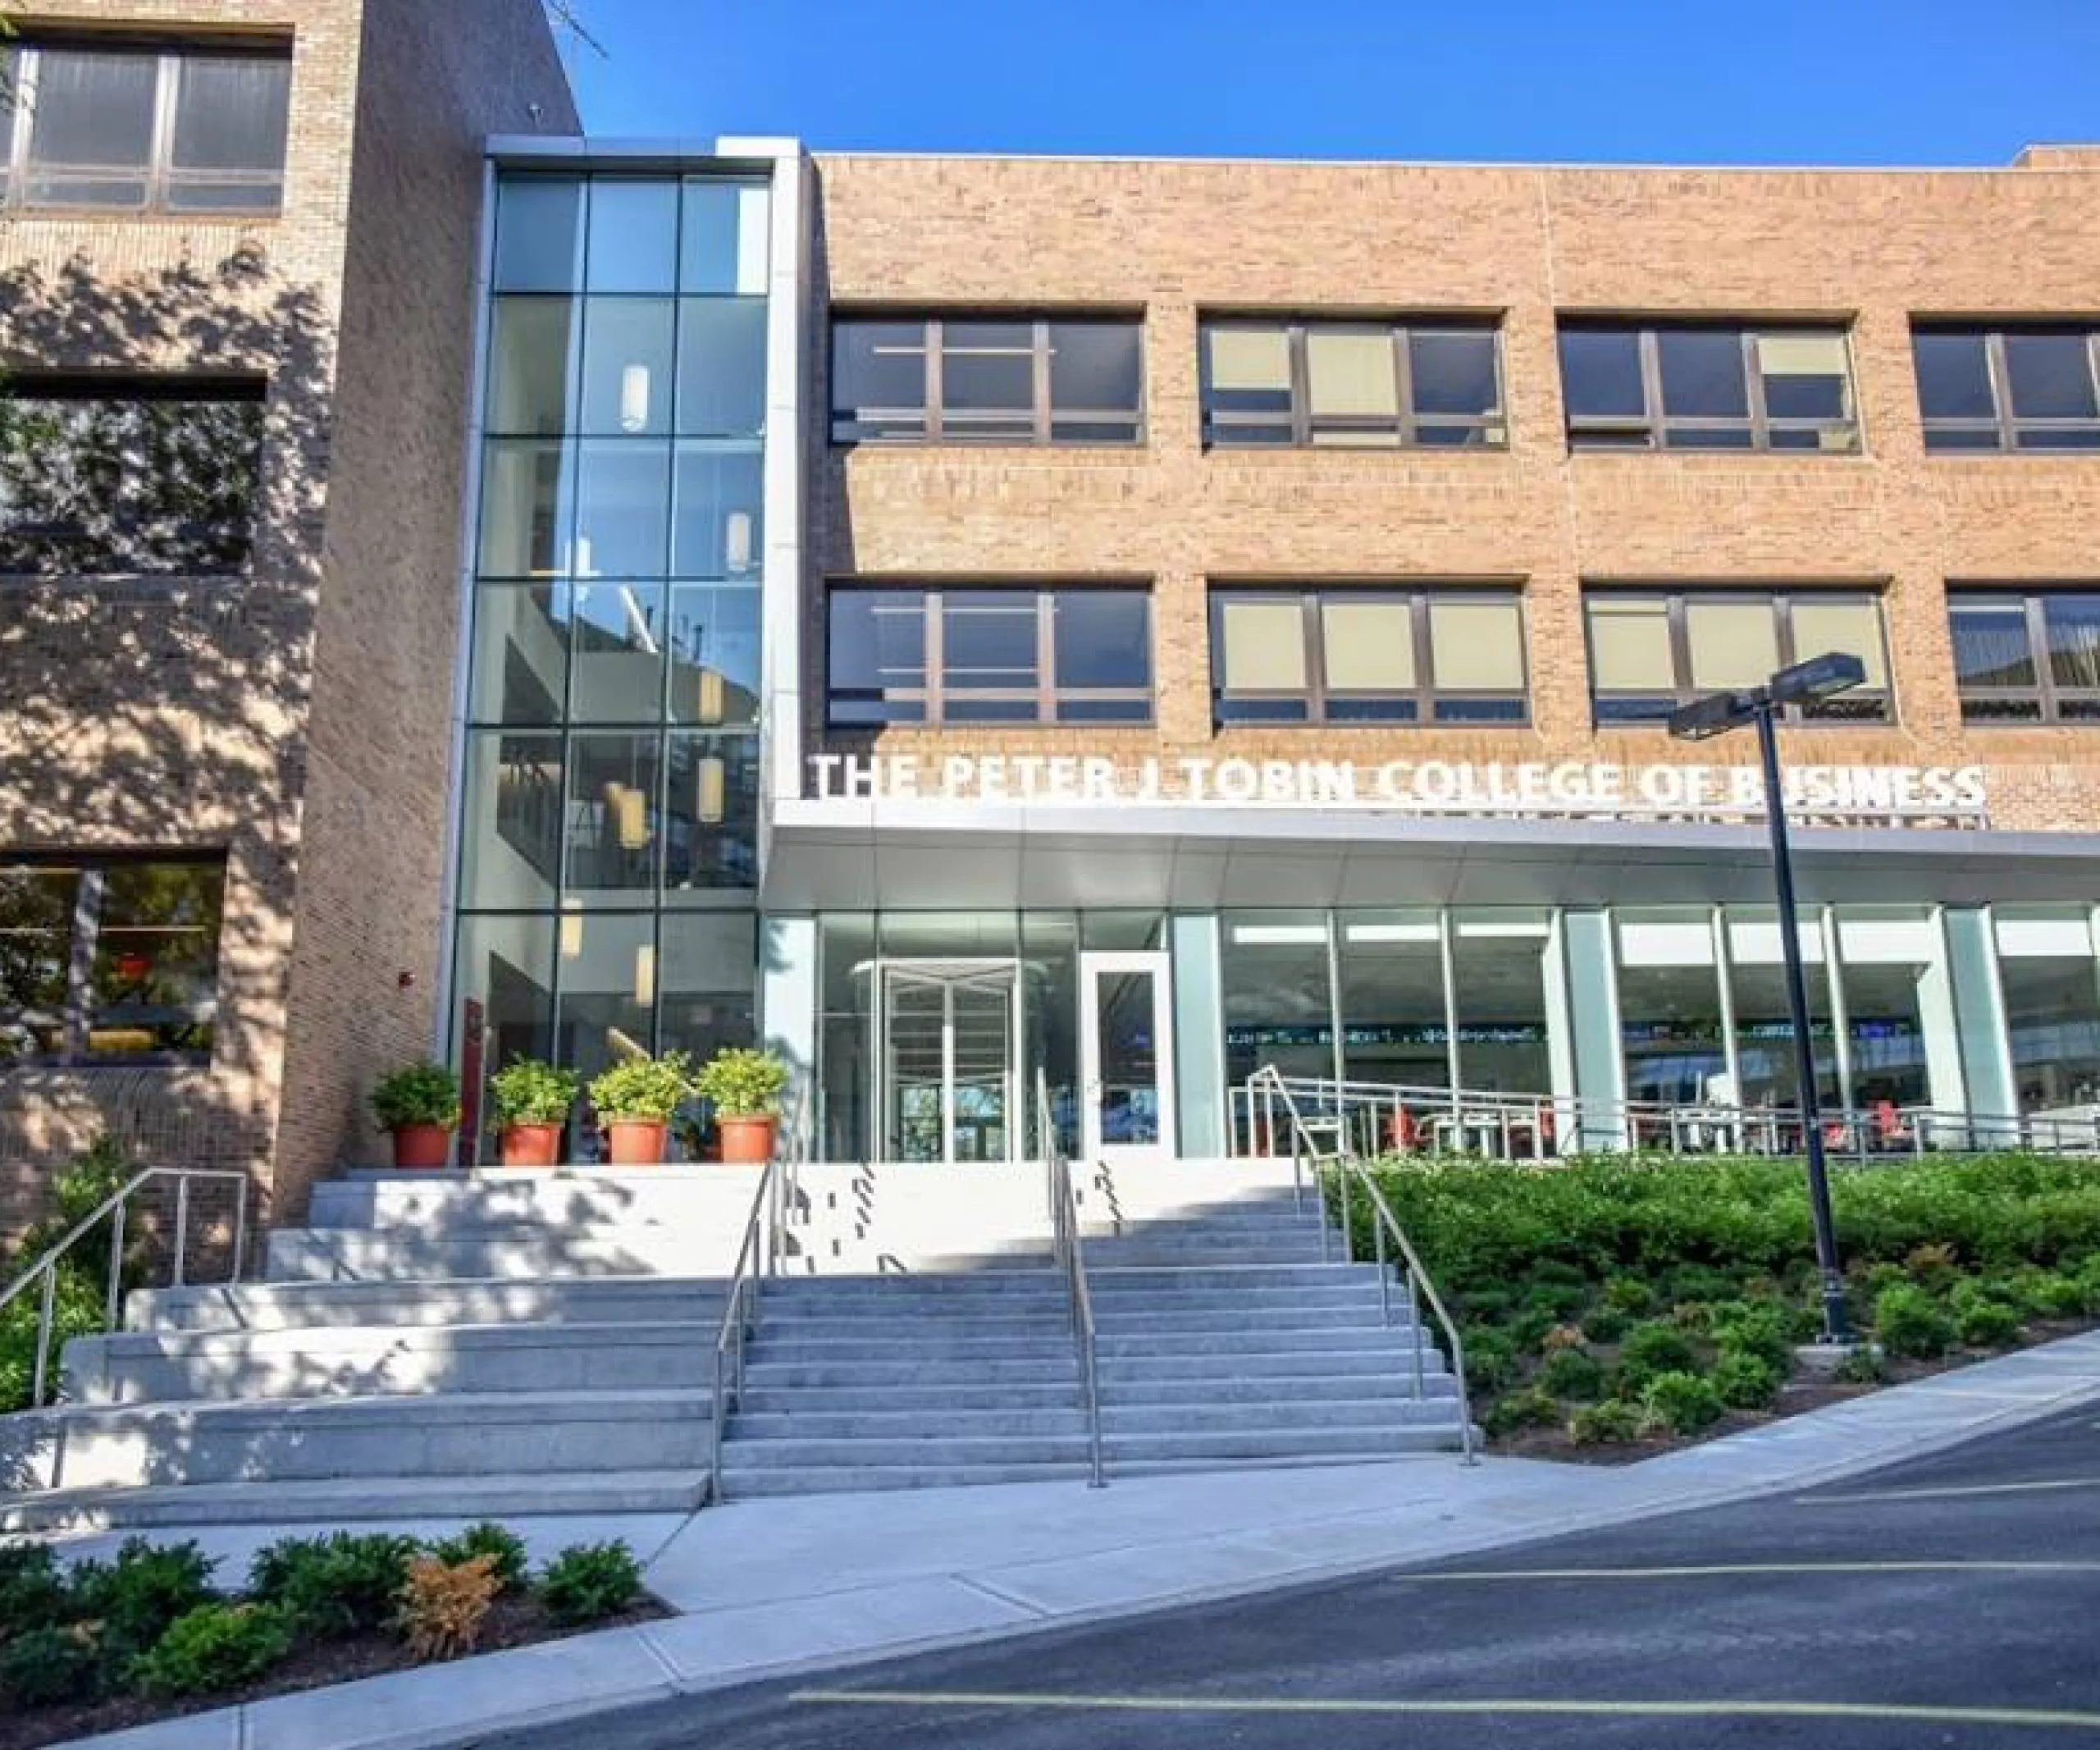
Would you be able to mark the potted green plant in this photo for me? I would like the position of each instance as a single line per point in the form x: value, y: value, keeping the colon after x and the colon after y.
x: 531, y: 1100
x: 634, y: 1099
x: 419, y: 1105
x: 744, y: 1085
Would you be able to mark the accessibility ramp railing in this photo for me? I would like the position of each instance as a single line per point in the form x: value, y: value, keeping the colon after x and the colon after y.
x: 1336, y: 1173
x: 1069, y: 1249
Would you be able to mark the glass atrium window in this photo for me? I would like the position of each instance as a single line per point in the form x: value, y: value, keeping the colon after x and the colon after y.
x: 1365, y: 654
x: 2027, y: 658
x: 109, y: 961
x: 1650, y: 652
x: 1336, y: 384
x: 178, y: 130
x: 102, y: 474
x: 1002, y: 380
x: 2048, y: 979
x: 2024, y: 388
x: 1627, y: 386
x: 1000, y: 654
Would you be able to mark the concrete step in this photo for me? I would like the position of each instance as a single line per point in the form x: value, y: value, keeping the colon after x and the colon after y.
x: 1059, y: 1366
x: 843, y: 1397
x: 1133, y: 1340
x: 1103, y: 1278
x: 266, y: 1306
x: 1035, y: 1283
x: 1226, y: 1364
x: 755, y: 1480
x: 336, y: 1502
x: 344, y: 1361
x: 1202, y: 1421
x: 906, y: 1325
x: 295, y: 1439
x: 926, y: 1348
x: 1371, y: 1440
x: 949, y: 1452
x: 1280, y: 1390
x: 523, y: 1249
x: 747, y: 1432
x: 561, y: 1197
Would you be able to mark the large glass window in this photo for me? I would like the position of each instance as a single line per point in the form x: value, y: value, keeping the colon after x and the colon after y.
x: 2012, y: 388
x: 156, y: 474
x: 188, y: 130
x: 1673, y: 1025
x: 109, y: 961
x: 1764, y: 1027
x: 1365, y: 654
x: 1629, y: 387
x: 1008, y: 379
x: 1279, y: 1006
x: 994, y: 654
x: 1899, y: 1015
x: 1395, y: 1027
x: 2047, y: 981
x: 2020, y: 658
x: 1498, y: 988
x: 1651, y: 651
x: 1372, y: 385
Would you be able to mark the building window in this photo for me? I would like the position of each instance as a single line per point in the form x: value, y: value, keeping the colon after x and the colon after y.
x: 2027, y: 658
x: 103, y: 474
x: 2026, y: 388
x: 111, y: 125
x: 109, y: 961
x: 1686, y: 386
x: 1651, y: 652
x: 1358, y: 653
x: 989, y: 654
x: 1352, y: 385
x: 987, y: 380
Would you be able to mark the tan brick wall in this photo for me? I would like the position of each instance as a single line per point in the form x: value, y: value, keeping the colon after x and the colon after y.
x: 1178, y: 237
x: 209, y: 713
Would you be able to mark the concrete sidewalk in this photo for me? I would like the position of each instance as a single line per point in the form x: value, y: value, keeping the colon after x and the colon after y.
x: 770, y: 1588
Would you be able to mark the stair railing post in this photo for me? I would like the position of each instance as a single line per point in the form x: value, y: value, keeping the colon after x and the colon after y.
x: 116, y: 1294
x: 1385, y: 1279
x: 43, y: 1336
x: 1414, y: 1330
x: 240, y: 1225
x: 181, y: 1227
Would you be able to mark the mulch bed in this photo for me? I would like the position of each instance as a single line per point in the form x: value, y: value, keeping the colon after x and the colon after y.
x: 511, y: 1622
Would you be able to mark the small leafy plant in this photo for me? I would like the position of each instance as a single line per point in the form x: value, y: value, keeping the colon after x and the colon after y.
x: 1572, y: 1373
x: 1612, y: 1423
x: 503, y: 1547
x: 335, y: 1586
x: 135, y: 1598
x: 444, y: 1605
x: 642, y: 1087
x: 741, y: 1082
x: 1655, y: 1348
x: 588, y: 1581
x: 528, y: 1091
x: 417, y: 1094
x: 214, y: 1649
x: 33, y: 1591
x: 1907, y: 1321
x: 1683, y: 1403
x: 52, y: 1665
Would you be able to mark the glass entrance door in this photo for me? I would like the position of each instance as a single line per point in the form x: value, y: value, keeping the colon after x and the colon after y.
x: 1127, y: 1056
x: 948, y: 1058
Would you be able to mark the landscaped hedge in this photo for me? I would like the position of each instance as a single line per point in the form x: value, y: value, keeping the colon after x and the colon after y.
x: 1678, y: 1285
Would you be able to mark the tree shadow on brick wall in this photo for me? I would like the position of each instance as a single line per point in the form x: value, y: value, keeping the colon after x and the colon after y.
x: 156, y: 649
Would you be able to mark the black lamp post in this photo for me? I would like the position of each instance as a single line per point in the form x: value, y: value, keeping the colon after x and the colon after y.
x: 1715, y: 714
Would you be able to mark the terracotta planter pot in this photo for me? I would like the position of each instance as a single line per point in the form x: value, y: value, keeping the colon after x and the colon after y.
x: 532, y: 1144
x: 746, y: 1141
x: 637, y: 1142
x: 423, y: 1145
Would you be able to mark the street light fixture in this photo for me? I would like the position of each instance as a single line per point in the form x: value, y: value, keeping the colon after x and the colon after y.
x: 1716, y: 714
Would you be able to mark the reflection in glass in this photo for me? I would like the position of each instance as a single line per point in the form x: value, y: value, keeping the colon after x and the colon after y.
x: 36, y: 940
x: 722, y: 366
x: 724, y: 237
x: 1278, y: 1008
x: 622, y: 495
x: 1764, y: 1031
x: 715, y: 649
x: 1395, y: 1026
x: 511, y: 842
x: 1670, y: 1015
x: 521, y: 654
x: 708, y: 973
x: 2046, y: 974
x: 1954, y: 377
x: 616, y: 631
x: 612, y: 830
x: 539, y: 234
x: 530, y: 350
x: 1129, y: 1046
x: 719, y: 530
x: 711, y: 813
x: 153, y: 985
x: 1600, y: 373
x: 524, y: 515
x: 628, y: 347
x: 608, y: 986
x: 634, y: 235
x: 506, y: 965
x: 1498, y: 978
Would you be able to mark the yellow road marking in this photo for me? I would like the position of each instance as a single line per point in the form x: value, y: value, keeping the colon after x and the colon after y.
x: 1724, y: 1708
x: 1743, y: 1570
x: 1950, y: 1492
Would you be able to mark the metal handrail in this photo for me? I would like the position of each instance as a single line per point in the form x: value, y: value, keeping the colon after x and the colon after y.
x: 114, y: 1207
x: 1414, y: 1275
x: 740, y: 1317
x: 1070, y: 1251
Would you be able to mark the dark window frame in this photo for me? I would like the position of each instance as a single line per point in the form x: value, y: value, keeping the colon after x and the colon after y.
x: 1651, y: 428
x: 933, y: 695
x: 87, y: 929
x: 20, y: 62
x: 1827, y: 714
x: 2048, y: 695
x: 2004, y: 424
x: 1407, y: 421
x: 1320, y: 700
x: 850, y: 426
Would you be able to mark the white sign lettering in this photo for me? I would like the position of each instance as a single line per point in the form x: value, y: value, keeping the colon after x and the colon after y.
x: 1569, y: 789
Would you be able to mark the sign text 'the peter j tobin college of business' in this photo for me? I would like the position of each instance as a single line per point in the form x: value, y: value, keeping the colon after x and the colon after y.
x: 1570, y: 789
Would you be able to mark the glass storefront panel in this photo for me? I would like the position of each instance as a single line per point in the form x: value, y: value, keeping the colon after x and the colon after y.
x: 628, y: 344
x: 710, y: 814
x: 612, y: 839
x: 709, y: 968
x: 1278, y: 1006
x: 716, y: 641
x: 1765, y: 1033
x: 1395, y: 1027
x: 1050, y: 962
x: 616, y: 631
x: 1671, y: 1020
x: 845, y: 957
x: 511, y: 845
x: 1899, y: 1018
x: 531, y: 346
x: 2052, y: 996
x: 506, y: 965
x: 1498, y: 977
x: 607, y: 993
x: 521, y: 654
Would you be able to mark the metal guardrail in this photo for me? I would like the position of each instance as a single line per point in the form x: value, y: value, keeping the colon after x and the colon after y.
x: 1337, y: 1171
x: 1379, y: 1117
x: 740, y: 1316
x: 115, y: 1209
x: 1070, y: 1251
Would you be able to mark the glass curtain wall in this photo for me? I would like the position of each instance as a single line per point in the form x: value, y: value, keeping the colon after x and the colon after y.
x: 608, y: 863
x: 2046, y: 979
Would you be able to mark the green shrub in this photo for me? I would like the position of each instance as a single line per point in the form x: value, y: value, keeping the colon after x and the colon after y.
x: 136, y: 1597
x: 1526, y: 1407
x: 642, y: 1087
x: 51, y: 1666
x: 1762, y: 1328
x: 1863, y: 1366
x: 1744, y: 1381
x: 529, y: 1091
x: 1527, y: 1330
x: 1570, y: 1372
x: 1610, y: 1423
x: 1682, y: 1402
x: 503, y: 1547
x: 1488, y: 1305
x: 1907, y: 1321
x: 33, y: 1591
x: 2086, y: 1274
x: 2046, y: 1294
x: 214, y: 1649
x: 588, y: 1582
x: 1491, y: 1358
x: 740, y: 1081
x: 1556, y: 1300
x: 1985, y: 1315
x: 1655, y: 1348
x: 1629, y: 1294
x: 1695, y: 1283
x: 77, y: 1310
x: 417, y: 1094
x: 333, y: 1586
x: 1605, y: 1324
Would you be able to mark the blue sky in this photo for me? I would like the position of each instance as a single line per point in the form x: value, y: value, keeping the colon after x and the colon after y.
x: 1686, y: 81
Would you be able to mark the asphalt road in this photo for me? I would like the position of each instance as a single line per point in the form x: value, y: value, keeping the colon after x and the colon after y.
x: 1953, y: 1601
